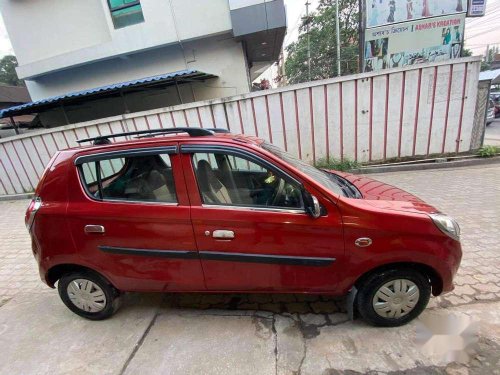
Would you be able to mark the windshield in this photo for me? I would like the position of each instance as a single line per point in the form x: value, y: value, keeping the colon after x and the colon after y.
x: 329, y: 181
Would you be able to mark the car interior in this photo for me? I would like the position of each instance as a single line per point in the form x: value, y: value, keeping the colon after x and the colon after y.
x: 230, y: 180
x: 140, y: 178
x: 222, y: 180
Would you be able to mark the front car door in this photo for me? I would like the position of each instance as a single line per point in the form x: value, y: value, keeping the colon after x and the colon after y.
x: 251, y: 228
x: 130, y: 219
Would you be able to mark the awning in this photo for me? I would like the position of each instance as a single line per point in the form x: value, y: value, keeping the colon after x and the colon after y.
x: 490, y: 75
x: 168, y: 79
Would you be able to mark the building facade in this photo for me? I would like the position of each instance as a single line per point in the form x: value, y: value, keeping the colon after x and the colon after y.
x: 68, y: 46
x: 12, y: 96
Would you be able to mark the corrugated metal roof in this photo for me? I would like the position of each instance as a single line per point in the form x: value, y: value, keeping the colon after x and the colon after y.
x: 48, y: 102
x: 489, y: 75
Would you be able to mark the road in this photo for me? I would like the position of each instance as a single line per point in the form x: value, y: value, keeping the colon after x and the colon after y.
x: 263, y: 334
x: 492, y: 135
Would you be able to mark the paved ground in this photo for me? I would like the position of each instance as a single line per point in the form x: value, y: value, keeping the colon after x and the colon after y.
x: 492, y: 136
x: 260, y: 334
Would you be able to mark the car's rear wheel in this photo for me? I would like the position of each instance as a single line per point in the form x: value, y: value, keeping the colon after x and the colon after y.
x: 88, y: 295
x: 393, y: 297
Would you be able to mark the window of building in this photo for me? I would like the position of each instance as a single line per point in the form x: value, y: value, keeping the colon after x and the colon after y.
x: 147, y: 178
x: 125, y: 12
x: 225, y: 179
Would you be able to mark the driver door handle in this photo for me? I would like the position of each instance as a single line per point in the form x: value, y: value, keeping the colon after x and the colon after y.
x: 94, y: 229
x: 223, y: 234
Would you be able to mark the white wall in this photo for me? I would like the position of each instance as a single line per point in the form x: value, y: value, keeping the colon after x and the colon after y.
x: 49, y: 35
x: 364, y: 117
x: 41, y: 29
x: 220, y: 55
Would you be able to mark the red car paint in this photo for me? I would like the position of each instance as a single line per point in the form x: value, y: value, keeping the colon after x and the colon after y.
x: 396, y: 221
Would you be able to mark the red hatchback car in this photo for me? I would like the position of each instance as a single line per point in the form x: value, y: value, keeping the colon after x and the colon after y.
x: 197, y: 210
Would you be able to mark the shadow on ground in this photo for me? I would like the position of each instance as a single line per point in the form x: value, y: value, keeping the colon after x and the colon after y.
x: 275, y: 303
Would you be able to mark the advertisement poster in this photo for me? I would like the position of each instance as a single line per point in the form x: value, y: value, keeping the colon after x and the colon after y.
x: 384, y: 12
x: 477, y: 8
x: 426, y: 40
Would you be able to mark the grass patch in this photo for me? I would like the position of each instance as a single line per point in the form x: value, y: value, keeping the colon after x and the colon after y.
x: 488, y: 151
x: 336, y: 164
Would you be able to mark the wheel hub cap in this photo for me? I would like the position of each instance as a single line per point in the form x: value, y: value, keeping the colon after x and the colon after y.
x: 86, y: 295
x: 396, y: 298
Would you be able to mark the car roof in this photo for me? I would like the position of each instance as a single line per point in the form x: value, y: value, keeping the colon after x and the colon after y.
x: 164, y: 139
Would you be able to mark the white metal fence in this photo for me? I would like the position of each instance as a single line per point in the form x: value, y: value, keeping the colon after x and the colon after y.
x: 413, y: 111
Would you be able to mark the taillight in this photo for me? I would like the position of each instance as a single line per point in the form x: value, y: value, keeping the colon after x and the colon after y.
x: 33, y: 207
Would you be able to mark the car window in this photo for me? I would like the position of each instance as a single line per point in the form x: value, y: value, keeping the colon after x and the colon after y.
x: 147, y: 178
x: 322, y: 177
x: 225, y: 179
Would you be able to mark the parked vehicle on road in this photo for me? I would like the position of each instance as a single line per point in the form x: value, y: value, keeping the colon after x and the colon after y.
x: 490, y: 112
x: 196, y: 210
x: 495, y: 97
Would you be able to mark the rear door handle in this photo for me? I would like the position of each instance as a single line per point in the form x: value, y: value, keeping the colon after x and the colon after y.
x: 94, y: 229
x: 223, y: 234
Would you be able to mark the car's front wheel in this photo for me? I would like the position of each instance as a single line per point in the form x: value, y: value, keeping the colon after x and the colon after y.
x: 88, y: 295
x: 393, y: 297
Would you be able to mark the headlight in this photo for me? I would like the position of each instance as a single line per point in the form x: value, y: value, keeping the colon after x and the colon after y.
x: 447, y: 225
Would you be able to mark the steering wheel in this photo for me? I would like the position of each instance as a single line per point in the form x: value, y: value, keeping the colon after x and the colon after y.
x: 278, y: 193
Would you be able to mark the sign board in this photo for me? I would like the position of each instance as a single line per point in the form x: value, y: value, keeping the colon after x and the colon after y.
x: 477, y: 8
x: 426, y: 40
x: 385, y: 12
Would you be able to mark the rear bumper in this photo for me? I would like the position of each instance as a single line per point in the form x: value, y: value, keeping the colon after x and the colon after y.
x: 43, y: 276
x: 42, y: 270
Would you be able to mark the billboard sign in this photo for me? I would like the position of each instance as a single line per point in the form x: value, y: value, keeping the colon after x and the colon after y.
x: 426, y: 40
x: 385, y: 12
x: 477, y: 8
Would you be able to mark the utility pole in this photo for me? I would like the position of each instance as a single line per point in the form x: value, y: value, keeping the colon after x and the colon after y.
x: 487, y: 57
x: 338, y: 37
x: 308, y: 40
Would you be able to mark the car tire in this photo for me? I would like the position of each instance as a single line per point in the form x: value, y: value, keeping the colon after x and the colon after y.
x: 410, y: 290
x: 89, y: 295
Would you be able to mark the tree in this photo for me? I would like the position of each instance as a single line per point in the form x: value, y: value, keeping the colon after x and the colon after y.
x: 486, y: 63
x: 323, y: 39
x: 466, y: 52
x: 8, y: 75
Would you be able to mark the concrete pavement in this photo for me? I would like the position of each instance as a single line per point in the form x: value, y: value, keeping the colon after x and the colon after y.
x: 263, y: 334
x: 38, y: 335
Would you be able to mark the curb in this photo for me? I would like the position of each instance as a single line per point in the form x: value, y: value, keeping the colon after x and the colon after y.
x: 16, y: 197
x: 427, y: 166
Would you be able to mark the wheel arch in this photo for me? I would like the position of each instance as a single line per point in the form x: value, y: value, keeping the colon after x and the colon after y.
x: 434, y: 277
x: 57, y: 271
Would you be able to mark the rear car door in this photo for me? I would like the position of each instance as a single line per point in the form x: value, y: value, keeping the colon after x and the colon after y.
x: 251, y: 228
x: 130, y: 219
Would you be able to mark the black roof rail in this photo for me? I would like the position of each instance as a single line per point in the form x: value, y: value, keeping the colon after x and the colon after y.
x: 219, y: 130
x: 104, y: 139
x: 212, y: 130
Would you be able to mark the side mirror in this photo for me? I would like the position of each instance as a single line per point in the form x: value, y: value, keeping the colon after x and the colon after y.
x: 313, y: 208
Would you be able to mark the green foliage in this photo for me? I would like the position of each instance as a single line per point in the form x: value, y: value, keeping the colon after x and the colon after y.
x: 323, y: 38
x: 486, y: 63
x: 338, y: 165
x: 488, y: 151
x: 466, y: 52
x: 8, y: 75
